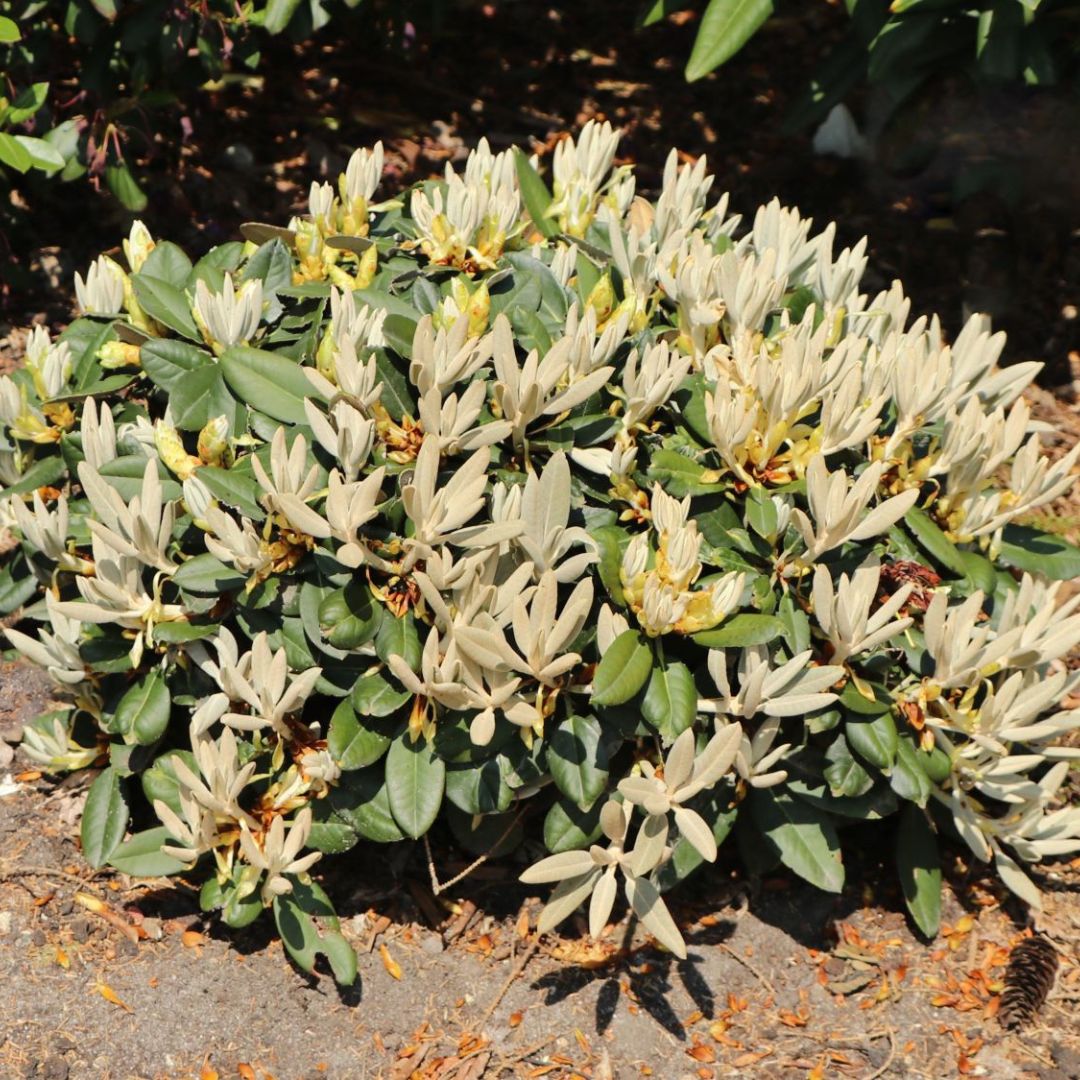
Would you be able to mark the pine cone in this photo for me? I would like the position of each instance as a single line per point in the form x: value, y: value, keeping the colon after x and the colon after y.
x: 1028, y: 981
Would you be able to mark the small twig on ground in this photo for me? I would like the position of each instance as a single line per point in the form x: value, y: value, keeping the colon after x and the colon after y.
x: 519, y: 967
x: 438, y: 886
x: 884, y: 1067
x: 1025, y: 1047
x: 513, y: 1059
x: 469, y: 914
x: 45, y: 871
x: 749, y: 967
x: 973, y: 949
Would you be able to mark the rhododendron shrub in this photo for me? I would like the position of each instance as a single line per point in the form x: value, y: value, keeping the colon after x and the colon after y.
x: 598, y: 525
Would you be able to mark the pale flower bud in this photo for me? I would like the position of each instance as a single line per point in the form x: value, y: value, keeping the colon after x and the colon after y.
x: 231, y: 316
x: 138, y: 246
x: 102, y: 292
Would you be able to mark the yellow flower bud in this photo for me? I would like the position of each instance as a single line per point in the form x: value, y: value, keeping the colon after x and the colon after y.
x: 369, y: 264
x: 118, y: 354
x: 171, y: 450
x: 602, y: 299
x: 324, y: 358
x: 478, y: 309
x: 213, y: 443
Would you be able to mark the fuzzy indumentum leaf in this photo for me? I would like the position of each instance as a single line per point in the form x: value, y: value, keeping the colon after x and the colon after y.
x: 524, y: 492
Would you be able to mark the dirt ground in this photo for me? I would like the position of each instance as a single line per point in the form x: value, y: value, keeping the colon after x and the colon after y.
x: 781, y: 980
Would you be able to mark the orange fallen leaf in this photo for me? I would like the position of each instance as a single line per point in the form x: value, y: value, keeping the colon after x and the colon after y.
x: 208, y: 1072
x: 109, y: 994
x: 702, y: 1052
x: 391, y: 965
x: 245, y: 1071
x: 522, y: 927
x: 752, y: 1058
x: 91, y: 903
x: 817, y: 1072
x: 191, y: 939
x: 62, y: 958
x: 515, y: 1019
x: 26, y: 777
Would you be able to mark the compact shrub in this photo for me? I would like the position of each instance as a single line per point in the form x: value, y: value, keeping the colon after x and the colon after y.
x: 576, y: 517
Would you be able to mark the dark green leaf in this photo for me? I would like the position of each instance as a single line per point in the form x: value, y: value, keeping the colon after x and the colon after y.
x: 874, y: 740
x: 908, y: 778
x: 275, y: 385
x: 362, y: 800
x: 206, y: 574
x: 141, y: 855
x: 159, y: 781
x: 623, y: 670
x: 680, y: 475
x: 478, y: 787
x: 567, y: 827
x: 741, y: 630
x: 104, y: 819
x: 125, y: 474
x: 933, y: 541
x: 844, y: 775
x: 166, y: 303
x: 397, y: 636
x: 376, y: 695
x: 200, y: 396
x: 179, y: 633
x: 612, y: 542
x: 796, y: 625
x: 919, y: 866
x: 534, y: 193
x: 353, y: 743
x: 47, y: 471
x: 856, y: 702
x: 803, y: 837
x: 670, y: 701
x: 348, y: 617
x: 1040, y: 553
x: 235, y: 488
x: 167, y: 263
x: 415, y: 781
x: 725, y: 28
x: 168, y: 362
x: 17, y: 585
x: 578, y: 759
x: 295, y: 914
x: 142, y: 714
